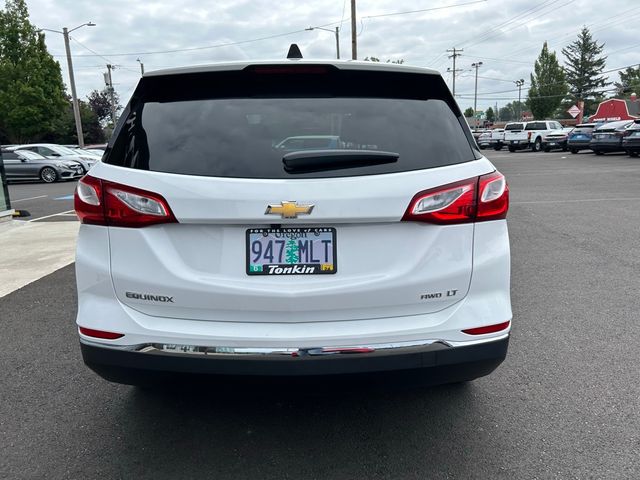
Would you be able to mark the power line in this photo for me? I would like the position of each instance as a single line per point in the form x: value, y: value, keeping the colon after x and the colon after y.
x: 496, y: 29
x: 269, y: 37
x: 424, y: 9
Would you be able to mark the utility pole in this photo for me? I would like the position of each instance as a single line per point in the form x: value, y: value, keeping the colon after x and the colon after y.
x: 454, y: 71
x: 354, y: 41
x: 519, y: 84
x: 476, y: 65
x: 141, y: 66
x: 108, y: 80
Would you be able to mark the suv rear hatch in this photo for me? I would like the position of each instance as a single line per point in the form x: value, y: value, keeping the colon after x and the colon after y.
x: 211, y: 145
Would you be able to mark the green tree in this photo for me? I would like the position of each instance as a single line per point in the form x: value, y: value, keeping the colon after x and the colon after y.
x: 31, y: 89
x: 291, y: 251
x: 512, y: 111
x: 400, y: 61
x: 548, y: 85
x: 490, y: 114
x: 469, y: 113
x: 100, y: 103
x: 65, y: 129
x: 629, y: 82
x: 584, y: 66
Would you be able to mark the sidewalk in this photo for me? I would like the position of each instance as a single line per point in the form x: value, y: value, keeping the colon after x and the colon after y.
x: 31, y: 250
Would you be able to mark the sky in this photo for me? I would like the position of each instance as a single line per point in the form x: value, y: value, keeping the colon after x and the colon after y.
x: 506, y: 36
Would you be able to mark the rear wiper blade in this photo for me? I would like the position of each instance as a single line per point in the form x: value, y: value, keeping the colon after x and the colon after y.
x: 308, y: 161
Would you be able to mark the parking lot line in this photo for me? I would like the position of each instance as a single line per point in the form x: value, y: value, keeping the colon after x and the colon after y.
x: 49, y: 216
x: 30, y: 198
x: 578, y: 200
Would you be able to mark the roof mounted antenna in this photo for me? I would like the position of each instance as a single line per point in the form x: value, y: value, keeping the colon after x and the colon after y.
x: 294, y: 52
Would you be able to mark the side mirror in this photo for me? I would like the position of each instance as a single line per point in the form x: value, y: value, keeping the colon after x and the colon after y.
x: 24, y: 160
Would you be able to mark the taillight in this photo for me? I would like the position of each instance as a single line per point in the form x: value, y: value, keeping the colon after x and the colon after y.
x: 493, y: 197
x: 529, y: 136
x: 100, y: 202
x: 474, y: 200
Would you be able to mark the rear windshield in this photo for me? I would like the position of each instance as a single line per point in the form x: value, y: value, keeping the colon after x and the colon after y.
x: 514, y: 126
x: 241, y: 124
x: 536, y: 126
x: 583, y: 130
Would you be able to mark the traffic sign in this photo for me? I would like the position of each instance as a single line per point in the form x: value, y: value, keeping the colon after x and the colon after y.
x: 574, y: 111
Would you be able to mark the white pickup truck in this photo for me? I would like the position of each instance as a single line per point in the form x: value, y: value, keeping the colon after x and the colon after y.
x: 528, y: 134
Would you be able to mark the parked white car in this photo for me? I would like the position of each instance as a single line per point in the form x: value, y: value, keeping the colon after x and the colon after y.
x: 531, y: 136
x: 205, y: 249
x: 496, y: 141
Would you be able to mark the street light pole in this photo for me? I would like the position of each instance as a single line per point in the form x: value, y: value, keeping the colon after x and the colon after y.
x: 74, y: 97
x: 475, y: 95
x: 337, y: 34
x: 141, y: 67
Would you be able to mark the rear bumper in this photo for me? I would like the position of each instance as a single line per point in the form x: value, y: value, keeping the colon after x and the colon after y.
x: 440, y: 361
x: 606, y: 146
x: 579, y: 144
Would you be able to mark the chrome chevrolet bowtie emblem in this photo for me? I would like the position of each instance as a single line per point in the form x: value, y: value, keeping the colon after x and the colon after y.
x: 289, y: 209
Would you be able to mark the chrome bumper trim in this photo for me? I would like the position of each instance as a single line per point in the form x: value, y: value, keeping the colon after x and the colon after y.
x: 396, y: 348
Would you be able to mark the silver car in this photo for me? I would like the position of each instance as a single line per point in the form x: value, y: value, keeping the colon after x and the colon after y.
x: 53, y: 151
x: 28, y: 165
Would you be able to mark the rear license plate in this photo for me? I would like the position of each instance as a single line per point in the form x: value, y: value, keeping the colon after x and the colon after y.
x: 513, y: 142
x: 291, y: 251
x: 552, y: 144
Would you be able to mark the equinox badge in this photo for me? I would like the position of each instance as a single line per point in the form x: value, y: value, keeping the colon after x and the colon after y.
x: 289, y: 209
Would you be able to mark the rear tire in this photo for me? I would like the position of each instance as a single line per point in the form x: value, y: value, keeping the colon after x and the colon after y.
x: 537, y: 145
x: 48, y: 175
x: 574, y: 150
x: 497, y: 148
x: 633, y: 154
x: 511, y: 149
x: 598, y: 152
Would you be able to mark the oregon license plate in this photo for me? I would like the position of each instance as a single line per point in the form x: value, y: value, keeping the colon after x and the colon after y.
x: 291, y: 251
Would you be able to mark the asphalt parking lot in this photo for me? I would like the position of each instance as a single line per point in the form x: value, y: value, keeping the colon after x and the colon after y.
x: 46, y: 202
x: 565, y: 404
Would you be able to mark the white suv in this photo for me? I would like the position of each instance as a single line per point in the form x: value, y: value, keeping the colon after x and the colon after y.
x: 206, y: 249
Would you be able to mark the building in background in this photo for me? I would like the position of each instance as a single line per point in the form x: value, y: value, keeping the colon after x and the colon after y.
x: 616, y: 109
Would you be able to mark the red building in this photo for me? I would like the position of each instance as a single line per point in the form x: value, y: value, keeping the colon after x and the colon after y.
x: 616, y: 109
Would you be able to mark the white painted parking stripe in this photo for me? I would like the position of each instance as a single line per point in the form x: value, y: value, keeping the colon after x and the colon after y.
x: 52, y: 215
x: 579, y: 200
x: 24, y: 199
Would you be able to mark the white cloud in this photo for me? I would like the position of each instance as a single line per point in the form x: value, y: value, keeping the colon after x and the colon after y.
x: 505, y: 36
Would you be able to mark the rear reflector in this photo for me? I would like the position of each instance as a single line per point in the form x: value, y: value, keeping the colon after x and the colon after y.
x: 488, y: 329
x: 100, y: 202
x: 473, y: 200
x: 89, y: 332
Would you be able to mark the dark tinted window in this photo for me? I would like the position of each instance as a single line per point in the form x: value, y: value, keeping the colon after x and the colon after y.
x: 536, y: 126
x: 582, y: 130
x: 513, y: 126
x: 240, y: 124
x: 7, y: 155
